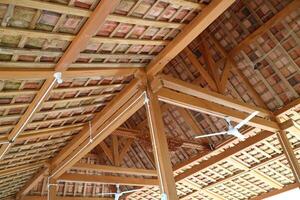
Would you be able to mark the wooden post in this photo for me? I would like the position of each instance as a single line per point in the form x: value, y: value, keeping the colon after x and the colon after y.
x: 160, y: 147
x: 52, y: 189
x: 289, y: 154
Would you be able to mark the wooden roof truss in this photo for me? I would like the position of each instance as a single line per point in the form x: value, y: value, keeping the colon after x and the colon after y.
x: 111, y: 55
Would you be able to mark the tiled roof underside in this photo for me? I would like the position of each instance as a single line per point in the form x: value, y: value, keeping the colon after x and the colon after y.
x: 273, y: 80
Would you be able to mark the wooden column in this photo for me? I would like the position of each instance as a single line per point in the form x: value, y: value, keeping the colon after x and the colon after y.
x: 289, y: 154
x: 52, y: 187
x: 160, y: 147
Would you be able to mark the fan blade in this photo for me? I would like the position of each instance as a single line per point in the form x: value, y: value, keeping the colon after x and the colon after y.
x: 227, y: 119
x: 245, y: 121
x: 237, y: 134
x: 129, y: 191
x: 212, y: 134
x: 109, y: 193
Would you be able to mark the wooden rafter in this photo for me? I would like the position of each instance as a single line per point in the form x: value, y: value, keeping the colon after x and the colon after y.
x: 231, y: 64
x: 70, y: 37
x: 53, y: 7
x: 107, y: 151
x: 102, y: 127
x: 65, y: 198
x: 206, y: 76
x: 108, y: 180
x: 264, y: 28
x: 114, y: 169
x: 290, y: 154
x: 47, y: 65
x: 190, y: 32
x: 80, y: 41
x: 44, y: 74
x: 212, y: 67
x: 170, y: 91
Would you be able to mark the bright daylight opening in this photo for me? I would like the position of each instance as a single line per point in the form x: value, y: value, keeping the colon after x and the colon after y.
x: 290, y: 195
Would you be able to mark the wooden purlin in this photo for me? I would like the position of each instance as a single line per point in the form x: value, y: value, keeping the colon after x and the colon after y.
x: 190, y: 32
x: 66, y: 198
x: 115, y: 169
x: 97, y: 179
x: 182, y: 189
x: 80, y: 41
x: 295, y: 4
x: 80, y: 73
x: 47, y: 65
x: 112, y: 17
x: 264, y: 28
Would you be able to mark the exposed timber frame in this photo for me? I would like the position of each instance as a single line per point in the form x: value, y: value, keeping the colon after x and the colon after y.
x: 136, y: 94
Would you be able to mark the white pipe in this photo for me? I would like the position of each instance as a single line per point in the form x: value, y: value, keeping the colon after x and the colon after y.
x: 154, y: 143
x: 48, y: 186
x: 6, y: 149
x: 57, y: 79
x: 6, y: 142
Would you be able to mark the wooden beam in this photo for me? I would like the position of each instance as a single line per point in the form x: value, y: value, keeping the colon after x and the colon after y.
x: 114, y: 169
x: 27, y: 116
x: 52, y: 187
x: 123, y: 97
x: 224, y: 155
x: 125, y: 149
x: 188, y: 34
x: 70, y: 37
x: 101, y: 128
x: 231, y: 64
x: 63, y: 9
x: 46, y: 65
x: 225, y: 75
x: 250, y: 38
x: 295, y: 4
x: 160, y: 147
x: 293, y: 105
x: 35, y: 52
x: 80, y: 73
x: 81, y: 178
x: 115, y: 150
x: 212, y: 67
x: 289, y: 154
x: 107, y: 151
x: 30, y: 184
x: 204, y: 74
x: 21, y: 168
x: 79, y: 43
x: 65, y: 198
x: 90, y: 28
x: 197, y: 91
x: 208, y: 107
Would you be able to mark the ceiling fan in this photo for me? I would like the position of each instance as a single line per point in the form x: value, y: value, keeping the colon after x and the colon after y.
x: 118, y: 194
x: 233, y: 130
